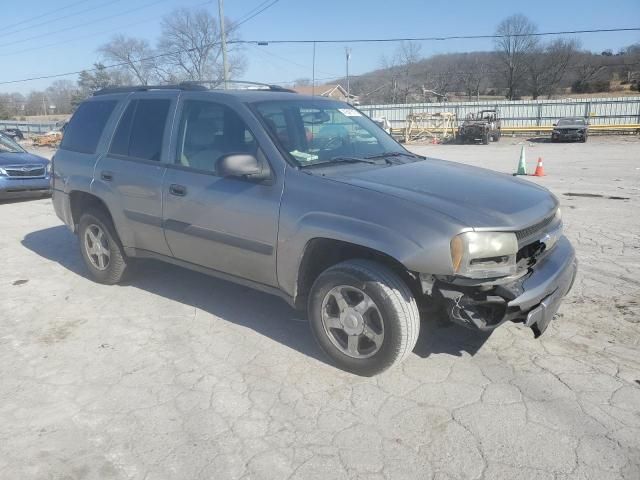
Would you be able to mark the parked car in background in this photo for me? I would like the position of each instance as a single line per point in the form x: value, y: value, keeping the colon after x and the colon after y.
x: 484, y: 126
x: 570, y: 129
x: 14, y: 133
x: 307, y: 198
x: 22, y: 173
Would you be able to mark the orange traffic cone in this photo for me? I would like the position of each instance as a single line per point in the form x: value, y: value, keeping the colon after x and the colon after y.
x: 539, y: 169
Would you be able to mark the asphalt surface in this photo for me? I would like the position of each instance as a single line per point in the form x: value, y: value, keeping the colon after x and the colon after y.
x: 175, y: 375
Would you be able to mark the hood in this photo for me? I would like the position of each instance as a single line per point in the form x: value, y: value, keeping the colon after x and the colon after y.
x: 21, y: 159
x: 571, y: 126
x: 473, y: 196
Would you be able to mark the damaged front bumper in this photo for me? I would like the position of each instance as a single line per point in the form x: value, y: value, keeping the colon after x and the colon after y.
x: 533, y: 298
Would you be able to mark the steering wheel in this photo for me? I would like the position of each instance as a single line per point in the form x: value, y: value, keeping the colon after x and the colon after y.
x: 332, y: 143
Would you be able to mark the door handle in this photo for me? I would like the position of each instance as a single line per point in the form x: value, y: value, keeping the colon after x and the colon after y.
x: 178, y: 190
x: 106, y: 176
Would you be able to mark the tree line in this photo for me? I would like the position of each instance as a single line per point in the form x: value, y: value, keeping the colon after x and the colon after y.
x: 521, y: 65
x: 188, y: 49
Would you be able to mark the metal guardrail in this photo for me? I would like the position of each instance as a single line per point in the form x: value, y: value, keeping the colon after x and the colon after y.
x: 35, y: 128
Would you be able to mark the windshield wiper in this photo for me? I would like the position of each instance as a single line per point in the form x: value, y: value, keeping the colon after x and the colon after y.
x: 343, y: 160
x: 395, y: 154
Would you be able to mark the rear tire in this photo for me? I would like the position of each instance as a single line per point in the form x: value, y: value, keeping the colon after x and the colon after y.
x: 363, y: 316
x: 101, y: 248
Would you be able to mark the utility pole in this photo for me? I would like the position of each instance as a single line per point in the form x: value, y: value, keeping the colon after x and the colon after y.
x: 347, y: 52
x: 223, y: 43
x: 313, y: 74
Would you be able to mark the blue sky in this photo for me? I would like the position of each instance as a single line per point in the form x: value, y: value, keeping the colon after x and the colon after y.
x: 52, y: 44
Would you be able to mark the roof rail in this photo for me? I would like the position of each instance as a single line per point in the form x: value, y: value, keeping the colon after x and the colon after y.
x: 145, y: 88
x: 217, y: 83
x: 198, y: 85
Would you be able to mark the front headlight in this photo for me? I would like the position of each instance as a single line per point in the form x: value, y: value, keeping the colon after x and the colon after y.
x: 484, y: 254
x: 3, y: 172
x: 48, y: 168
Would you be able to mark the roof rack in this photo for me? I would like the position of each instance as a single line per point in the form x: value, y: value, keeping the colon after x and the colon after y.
x: 217, y: 83
x: 197, y: 85
x: 145, y: 88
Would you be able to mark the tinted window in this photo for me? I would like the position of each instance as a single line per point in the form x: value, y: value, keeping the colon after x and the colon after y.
x: 83, y: 132
x: 207, y: 132
x: 141, y: 129
x: 120, y: 142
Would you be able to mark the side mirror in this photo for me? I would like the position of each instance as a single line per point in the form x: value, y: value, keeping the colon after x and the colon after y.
x: 241, y: 165
x: 555, y: 124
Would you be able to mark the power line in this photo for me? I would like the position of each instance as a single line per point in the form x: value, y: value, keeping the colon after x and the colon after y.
x: 252, y: 15
x: 153, y: 57
x: 55, y: 19
x: 74, y: 27
x: 50, y: 12
x: 285, y: 59
x: 451, y: 37
x: 93, y: 35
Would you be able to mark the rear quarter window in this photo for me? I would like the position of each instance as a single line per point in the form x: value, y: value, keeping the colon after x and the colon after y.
x: 85, y: 128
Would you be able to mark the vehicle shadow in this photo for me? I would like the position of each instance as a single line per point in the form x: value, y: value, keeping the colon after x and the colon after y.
x: 9, y: 201
x: 539, y: 140
x: 266, y: 314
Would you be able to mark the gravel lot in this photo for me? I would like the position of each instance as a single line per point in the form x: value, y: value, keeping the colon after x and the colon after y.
x: 179, y: 376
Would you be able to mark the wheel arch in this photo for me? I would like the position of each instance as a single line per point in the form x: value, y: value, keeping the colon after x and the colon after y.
x: 81, y: 201
x: 321, y: 253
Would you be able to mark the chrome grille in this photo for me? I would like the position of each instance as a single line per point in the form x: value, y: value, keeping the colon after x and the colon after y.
x: 533, y: 229
x: 25, y: 171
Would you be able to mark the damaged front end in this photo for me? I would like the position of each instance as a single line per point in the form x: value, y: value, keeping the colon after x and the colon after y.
x: 544, y: 273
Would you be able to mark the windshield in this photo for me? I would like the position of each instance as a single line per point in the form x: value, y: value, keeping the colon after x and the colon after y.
x: 318, y: 131
x: 9, y: 146
x: 571, y: 121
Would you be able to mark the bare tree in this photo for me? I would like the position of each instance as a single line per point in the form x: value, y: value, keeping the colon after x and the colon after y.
x: 190, y: 45
x: 589, y: 70
x: 547, y: 65
x: 61, y: 93
x: 514, y: 44
x: 400, y: 71
x: 439, y: 76
x: 473, y: 75
x: 135, y: 55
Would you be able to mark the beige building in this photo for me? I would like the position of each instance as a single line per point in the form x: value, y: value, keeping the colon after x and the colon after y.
x: 335, y: 91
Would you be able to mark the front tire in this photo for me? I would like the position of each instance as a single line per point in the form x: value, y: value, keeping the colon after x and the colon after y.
x: 101, y: 248
x: 363, y: 316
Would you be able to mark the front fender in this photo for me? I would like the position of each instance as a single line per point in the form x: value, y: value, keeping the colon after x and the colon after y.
x: 335, y: 227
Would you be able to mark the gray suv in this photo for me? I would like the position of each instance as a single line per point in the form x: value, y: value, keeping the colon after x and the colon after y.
x: 307, y: 198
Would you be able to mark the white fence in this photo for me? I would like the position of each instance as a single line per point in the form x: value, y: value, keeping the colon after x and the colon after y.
x: 522, y: 113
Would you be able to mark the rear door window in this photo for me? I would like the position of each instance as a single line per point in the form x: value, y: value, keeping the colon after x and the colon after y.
x: 141, y: 129
x: 85, y: 128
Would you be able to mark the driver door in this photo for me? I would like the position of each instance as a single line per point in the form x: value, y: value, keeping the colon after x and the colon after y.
x: 226, y: 224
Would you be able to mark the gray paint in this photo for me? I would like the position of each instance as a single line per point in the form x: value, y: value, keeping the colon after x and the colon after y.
x: 258, y: 230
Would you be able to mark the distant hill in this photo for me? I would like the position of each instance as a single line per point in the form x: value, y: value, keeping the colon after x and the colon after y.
x: 464, y: 76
